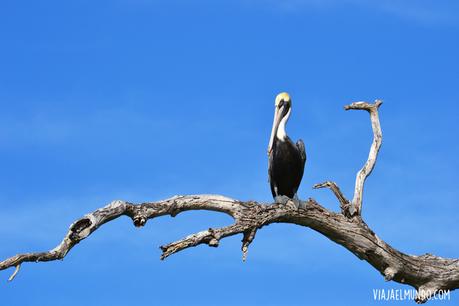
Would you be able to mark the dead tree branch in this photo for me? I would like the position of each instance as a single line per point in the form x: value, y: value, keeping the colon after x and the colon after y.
x: 343, y: 202
x: 427, y: 273
x: 370, y: 164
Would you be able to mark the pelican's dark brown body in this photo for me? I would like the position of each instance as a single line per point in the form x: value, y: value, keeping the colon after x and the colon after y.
x: 286, y: 167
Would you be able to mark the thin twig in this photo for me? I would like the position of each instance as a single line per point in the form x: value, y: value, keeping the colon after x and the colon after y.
x: 343, y: 202
x: 14, y: 273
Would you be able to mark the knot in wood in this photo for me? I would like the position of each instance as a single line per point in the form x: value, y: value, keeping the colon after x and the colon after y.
x: 78, y: 227
x: 139, y: 220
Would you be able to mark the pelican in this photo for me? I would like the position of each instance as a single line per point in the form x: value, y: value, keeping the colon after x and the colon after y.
x: 286, y: 159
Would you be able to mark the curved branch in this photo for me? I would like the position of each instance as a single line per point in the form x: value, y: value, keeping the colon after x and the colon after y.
x: 370, y: 163
x: 85, y: 226
x: 343, y: 202
x: 421, y: 272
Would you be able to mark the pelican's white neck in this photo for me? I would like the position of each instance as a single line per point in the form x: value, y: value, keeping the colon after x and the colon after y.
x: 281, y: 134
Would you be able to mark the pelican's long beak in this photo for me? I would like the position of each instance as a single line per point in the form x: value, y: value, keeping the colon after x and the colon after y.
x: 277, y: 120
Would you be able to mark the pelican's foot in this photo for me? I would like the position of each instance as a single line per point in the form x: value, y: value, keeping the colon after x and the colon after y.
x: 299, y: 203
x: 281, y: 199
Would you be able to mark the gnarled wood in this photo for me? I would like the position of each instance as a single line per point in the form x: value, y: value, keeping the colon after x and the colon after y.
x: 370, y: 163
x: 343, y: 202
x: 421, y: 272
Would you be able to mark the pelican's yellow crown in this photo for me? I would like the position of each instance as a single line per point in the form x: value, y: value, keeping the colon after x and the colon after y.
x: 282, y: 96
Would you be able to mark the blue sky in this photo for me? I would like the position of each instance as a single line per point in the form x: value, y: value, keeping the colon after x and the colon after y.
x: 141, y: 100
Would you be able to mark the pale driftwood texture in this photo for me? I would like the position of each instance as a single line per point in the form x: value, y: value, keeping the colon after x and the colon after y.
x: 427, y: 273
x: 370, y: 164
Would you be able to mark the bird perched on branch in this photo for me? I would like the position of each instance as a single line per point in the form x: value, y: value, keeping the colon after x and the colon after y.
x: 286, y: 159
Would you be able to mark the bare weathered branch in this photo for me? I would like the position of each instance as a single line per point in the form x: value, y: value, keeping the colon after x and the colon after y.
x: 343, y: 202
x: 14, y: 273
x: 210, y: 237
x: 86, y: 225
x: 353, y: 234
x: 370, y: 163
x: 249, y: 236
